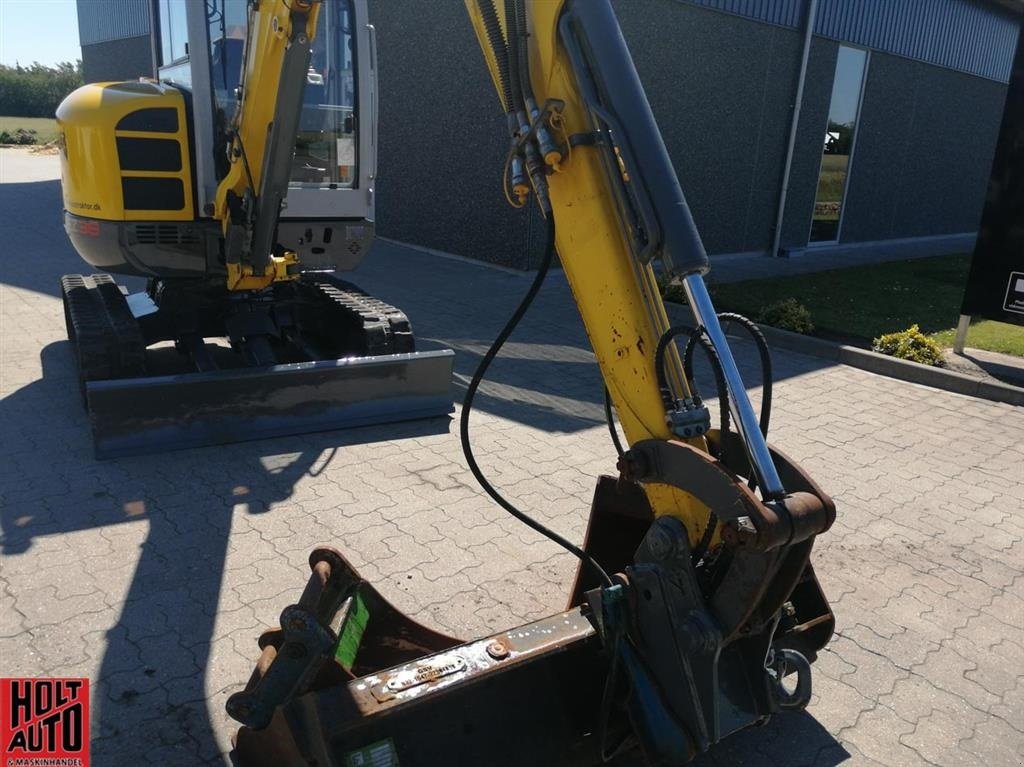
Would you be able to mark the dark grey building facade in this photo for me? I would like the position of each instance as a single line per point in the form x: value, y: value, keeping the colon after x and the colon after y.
x: 892, y: 144
x: 114, y: 35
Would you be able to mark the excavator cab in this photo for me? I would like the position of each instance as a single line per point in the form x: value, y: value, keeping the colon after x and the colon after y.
x: 334, y: 165
x: 239, y: 183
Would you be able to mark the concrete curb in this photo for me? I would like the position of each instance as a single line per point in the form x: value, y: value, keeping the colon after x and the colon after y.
x: 938, y: 378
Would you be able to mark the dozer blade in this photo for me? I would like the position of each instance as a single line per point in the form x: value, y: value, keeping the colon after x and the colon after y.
x: 146, y: 415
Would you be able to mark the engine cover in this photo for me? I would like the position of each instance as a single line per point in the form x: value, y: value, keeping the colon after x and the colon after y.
x: 126, y: 179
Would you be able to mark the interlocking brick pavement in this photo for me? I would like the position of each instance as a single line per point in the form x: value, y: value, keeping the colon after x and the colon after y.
x: 154, y: 575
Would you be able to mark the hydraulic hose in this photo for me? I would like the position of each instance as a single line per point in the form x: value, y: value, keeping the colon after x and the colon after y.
x: 495, y: 38
x: 522, y: 54
x: 467, y: 408
x: 610, y: 420
x: 696, y: 336
x: 766, y: 363
x: 515, y: 67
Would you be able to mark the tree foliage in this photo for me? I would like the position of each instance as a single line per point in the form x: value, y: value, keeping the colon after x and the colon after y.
x: 36, y: 90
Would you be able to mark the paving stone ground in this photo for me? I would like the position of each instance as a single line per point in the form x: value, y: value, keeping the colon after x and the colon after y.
x: 153, y: 576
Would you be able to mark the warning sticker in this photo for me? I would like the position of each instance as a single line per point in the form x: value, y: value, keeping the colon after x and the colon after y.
x: 1015, y: 293
x: 379, y: 754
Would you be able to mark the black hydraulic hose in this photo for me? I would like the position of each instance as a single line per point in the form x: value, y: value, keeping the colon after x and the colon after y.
x: 495, y: 38
x: 467, y: 407
x: 766, y: 400
x: 766, y: 363
x: 696, y: 336
x: 716, y: 367
x: 610, y: 420
x: 515, y: 68
x: 526, y: 88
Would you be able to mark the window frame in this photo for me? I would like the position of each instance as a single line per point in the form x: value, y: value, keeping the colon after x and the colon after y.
x: 853, y: 149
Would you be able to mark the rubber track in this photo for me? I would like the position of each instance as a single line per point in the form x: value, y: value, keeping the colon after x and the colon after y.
x: 107, y: 339
x: 386, y: 329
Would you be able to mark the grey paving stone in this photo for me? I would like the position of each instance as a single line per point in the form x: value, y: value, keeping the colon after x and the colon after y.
x: 155, y: 575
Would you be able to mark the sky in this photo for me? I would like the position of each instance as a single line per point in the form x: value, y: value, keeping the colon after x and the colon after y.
x: 38, y: 30
x: 845, y: 88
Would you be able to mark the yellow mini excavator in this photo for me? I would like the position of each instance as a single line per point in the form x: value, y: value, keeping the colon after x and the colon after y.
x: 239, y: 183
x: 695, y: 612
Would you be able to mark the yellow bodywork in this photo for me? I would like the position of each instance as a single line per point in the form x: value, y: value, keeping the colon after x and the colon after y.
x: 91, y: 120
x: 271, y: 29
x: 617, y: 297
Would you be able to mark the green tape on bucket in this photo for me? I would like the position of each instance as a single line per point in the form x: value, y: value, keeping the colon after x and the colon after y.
x: 352, y: 633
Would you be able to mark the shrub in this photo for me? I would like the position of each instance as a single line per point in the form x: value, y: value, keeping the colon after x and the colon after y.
x: 910, y: 344
x: 19, y: 136
x: 788, y: 314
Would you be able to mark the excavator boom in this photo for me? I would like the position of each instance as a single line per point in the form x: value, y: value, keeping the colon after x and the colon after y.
x: 249, y: 198
x: 695, y: 596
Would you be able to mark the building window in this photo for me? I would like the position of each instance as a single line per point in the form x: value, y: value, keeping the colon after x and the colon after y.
x: 843, y: 112
x: 173, y: 31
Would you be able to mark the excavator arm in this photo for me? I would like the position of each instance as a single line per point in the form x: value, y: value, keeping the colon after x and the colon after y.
x: 616, y: 206
x: 695, y: 596
x: 249, y: 198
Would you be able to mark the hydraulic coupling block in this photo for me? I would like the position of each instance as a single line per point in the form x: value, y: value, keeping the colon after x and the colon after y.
x: 689, y: 418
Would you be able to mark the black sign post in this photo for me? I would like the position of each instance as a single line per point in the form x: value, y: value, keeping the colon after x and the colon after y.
x: 995, y: 285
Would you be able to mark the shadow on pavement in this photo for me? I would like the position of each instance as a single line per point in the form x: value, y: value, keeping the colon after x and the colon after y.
x: 155, y: 656
x: 998, y: 369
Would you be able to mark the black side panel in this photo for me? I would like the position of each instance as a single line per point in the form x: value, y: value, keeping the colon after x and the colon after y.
x: 153, y: 120
x: 995, y: 286
x: 160, y: 154
x: 153, y: 193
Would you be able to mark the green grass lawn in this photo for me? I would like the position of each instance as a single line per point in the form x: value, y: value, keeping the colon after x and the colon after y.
x: 45, y: 127
x: 863, y: 302
x: 832, y: 178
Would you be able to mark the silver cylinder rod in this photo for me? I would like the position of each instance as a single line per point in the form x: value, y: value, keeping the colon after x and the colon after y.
x: 739, y: 403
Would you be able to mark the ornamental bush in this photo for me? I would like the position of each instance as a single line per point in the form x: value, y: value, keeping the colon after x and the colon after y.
x: 910, y: 344
x: 787, y: 314
x: 19, y: 136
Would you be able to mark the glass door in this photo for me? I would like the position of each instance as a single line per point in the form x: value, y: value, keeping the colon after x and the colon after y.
x: 837, y: 151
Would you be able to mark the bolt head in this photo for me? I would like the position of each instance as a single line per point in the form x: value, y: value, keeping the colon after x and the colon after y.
x: 498, y: 650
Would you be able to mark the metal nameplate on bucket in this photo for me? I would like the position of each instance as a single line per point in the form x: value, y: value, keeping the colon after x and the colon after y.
x: 421, y: 673
x: 428, y: 672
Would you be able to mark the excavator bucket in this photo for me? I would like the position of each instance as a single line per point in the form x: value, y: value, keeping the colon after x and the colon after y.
x: 349, y: 679
x: 146, y: 415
